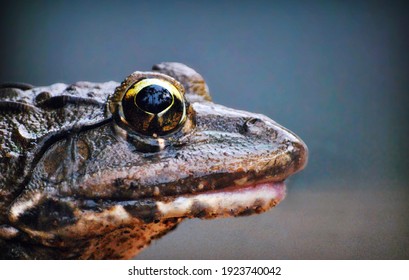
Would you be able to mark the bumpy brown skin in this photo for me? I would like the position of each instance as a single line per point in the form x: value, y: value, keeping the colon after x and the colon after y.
x: 75, y: 183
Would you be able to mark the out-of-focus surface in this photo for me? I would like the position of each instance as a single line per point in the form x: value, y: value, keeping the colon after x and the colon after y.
x: 336, y: 74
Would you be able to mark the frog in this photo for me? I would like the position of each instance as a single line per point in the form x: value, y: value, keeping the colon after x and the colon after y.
x: 100, y: 170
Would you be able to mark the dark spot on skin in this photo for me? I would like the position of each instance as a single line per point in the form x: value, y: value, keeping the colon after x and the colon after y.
x: 257, y: 208
x: 199, y: 210
x: 172, y: 221
x: 48, y: 215
x: 247, y: 212
x: 119, y: 182
x: 123, y: 240
x: 71, y: 88
x: 133, y: 186
x: 171, y: 227
x: 147, y: 210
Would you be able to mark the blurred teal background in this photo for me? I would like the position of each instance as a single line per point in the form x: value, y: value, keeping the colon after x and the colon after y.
x: 336, y: 73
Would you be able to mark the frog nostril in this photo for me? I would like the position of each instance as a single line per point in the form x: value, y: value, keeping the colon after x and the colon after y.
x: 253, y: 126
x: 252, y: 121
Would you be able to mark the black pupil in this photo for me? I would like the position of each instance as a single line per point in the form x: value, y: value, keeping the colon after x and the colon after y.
x: 153, y: 99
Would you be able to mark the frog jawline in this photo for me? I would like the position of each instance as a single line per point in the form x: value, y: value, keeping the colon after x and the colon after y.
x: 231, y: 201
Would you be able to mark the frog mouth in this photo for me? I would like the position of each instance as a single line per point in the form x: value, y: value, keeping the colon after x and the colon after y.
x: 235, y: 200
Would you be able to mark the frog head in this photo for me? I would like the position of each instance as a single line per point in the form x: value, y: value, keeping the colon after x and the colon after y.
x: 163, y: 152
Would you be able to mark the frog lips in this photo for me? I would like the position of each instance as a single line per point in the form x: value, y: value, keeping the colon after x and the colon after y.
x: 231, y: 201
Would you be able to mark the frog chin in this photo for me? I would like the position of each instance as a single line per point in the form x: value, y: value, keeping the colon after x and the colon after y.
x: 231, y: 201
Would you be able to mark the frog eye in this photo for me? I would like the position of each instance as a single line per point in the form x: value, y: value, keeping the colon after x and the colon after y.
x: 153, y: 105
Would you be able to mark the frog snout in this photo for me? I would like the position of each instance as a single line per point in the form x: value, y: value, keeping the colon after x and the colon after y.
x: 290, y: 152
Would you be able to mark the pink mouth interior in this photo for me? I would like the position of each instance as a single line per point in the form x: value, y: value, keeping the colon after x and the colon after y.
x: 278, y: 187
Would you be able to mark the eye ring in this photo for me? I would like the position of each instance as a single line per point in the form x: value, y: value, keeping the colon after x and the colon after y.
x: 150, y: 104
